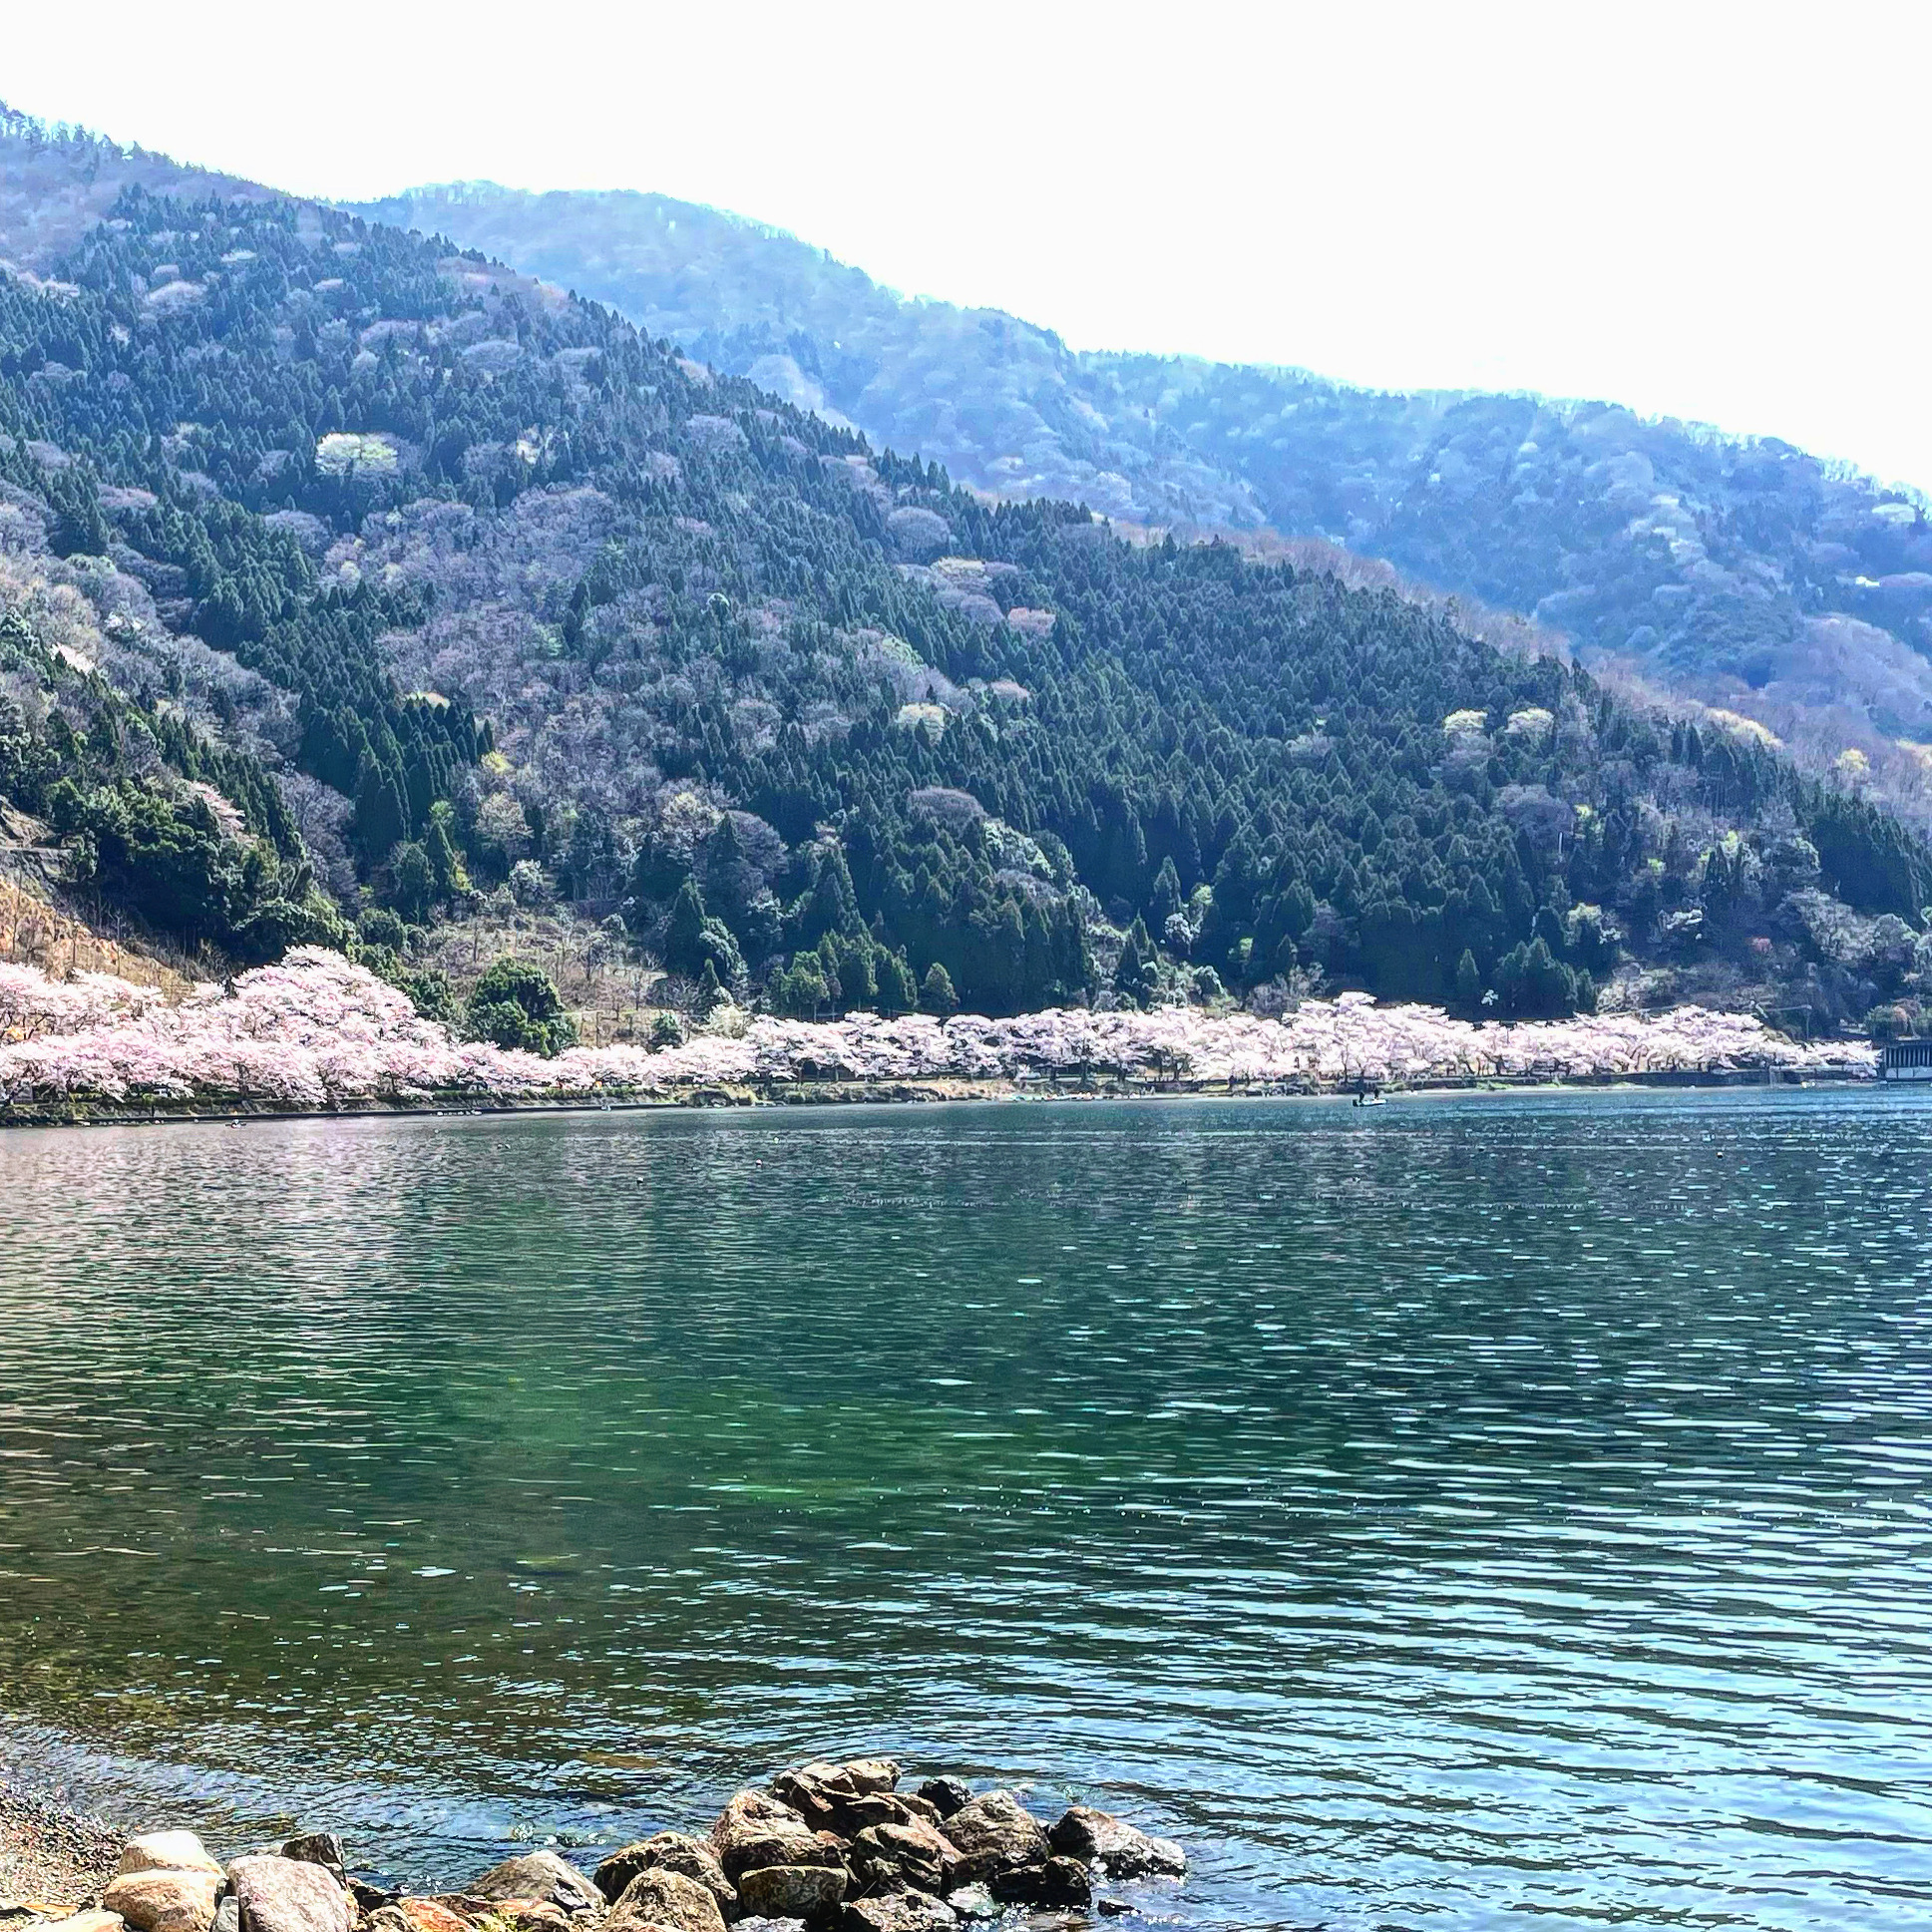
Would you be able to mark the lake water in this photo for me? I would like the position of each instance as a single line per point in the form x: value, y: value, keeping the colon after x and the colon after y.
x: 1460, y: 1514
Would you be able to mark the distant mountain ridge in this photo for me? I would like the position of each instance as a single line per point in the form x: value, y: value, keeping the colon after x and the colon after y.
x: 1743, y: 571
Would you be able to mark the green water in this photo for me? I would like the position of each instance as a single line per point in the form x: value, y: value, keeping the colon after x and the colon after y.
x: 1433, y: 1516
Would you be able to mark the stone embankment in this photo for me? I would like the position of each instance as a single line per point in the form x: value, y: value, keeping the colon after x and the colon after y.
x: 824, y: 1848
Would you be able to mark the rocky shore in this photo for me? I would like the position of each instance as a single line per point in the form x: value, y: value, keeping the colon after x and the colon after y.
x: 51, y: 1860
x: 827, y: 1847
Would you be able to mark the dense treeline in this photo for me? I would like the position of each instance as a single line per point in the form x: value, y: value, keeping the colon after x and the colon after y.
x: 566, y: 617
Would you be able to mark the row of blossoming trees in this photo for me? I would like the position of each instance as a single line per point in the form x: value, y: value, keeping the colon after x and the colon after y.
x: 316, y: 1030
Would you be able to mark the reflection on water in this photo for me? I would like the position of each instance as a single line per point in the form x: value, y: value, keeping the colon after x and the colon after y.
x: 1466, y: 1509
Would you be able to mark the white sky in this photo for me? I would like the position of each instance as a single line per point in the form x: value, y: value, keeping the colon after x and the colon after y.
x: 1710, y: 210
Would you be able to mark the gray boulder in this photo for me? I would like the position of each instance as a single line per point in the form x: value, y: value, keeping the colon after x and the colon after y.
x: 756, y: 1830
x: 165, y: 1900
x: 913, y: 1855
x: 1100, y: 1837
x: 843, y: 1798
x: 659, y: 1896
x: 993, y: 1834
x: 669, y: 1851
x: 165, y: 1851
x: 288, y: 1896
x: 792, y: 1891
x: 540, y: 1876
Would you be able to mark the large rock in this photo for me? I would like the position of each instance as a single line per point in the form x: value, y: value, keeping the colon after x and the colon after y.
x: 900, y: 1912
x: 843, y: 1798
x: 1101, y: 1838
x: 755, y: 1831
x: 540, y: 1876
x: 993, y: 1834
x: 945, y: 1794
x: 913, y: 1855
x: 288, y: 1896
x: 322, y: 1848
x: 167, y: 1851
x: 165, y: 1899
x: 660, y: 1896
x: 669, y: 1851
x: 84, y: 1922
x: 1056, y: 1881
x: 792, y: 1891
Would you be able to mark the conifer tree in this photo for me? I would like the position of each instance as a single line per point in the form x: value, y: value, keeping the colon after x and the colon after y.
x: 935, y: 995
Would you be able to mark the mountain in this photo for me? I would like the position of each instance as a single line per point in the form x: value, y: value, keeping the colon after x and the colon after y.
x: 1743, y: 571
x: 414, y: 587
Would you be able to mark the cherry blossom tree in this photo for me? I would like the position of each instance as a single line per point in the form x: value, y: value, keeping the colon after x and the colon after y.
x: 316, y: 1031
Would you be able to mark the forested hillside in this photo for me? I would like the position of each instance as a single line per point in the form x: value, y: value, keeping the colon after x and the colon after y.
x: 153, y: 814
x: 1745, y: 572
x: 518, y: 605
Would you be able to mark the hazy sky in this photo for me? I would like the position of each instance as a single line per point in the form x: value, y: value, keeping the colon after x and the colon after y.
x: 1709, y: 211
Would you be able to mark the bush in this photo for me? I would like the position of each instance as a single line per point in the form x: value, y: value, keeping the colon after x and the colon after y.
x: 514, y: 1005
x: 667, y: 1029
x: 380, y: 926
x: 430, y: 994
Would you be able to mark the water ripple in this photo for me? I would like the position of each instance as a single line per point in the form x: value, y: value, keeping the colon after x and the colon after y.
x: 1477, y: 1509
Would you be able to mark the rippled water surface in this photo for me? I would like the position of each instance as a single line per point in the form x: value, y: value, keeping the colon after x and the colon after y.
x: 1455, y: 1515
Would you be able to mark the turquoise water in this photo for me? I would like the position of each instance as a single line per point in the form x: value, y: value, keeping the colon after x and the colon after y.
x: 1459, y: 1513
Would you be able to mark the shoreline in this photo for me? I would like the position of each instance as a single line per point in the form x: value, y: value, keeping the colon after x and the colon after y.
x: 822, y: 1847
x: 319, y: 1037
x: 235, y: 1110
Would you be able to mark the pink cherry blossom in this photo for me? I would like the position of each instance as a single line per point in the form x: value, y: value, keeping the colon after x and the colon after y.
x: 315, y: 1031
